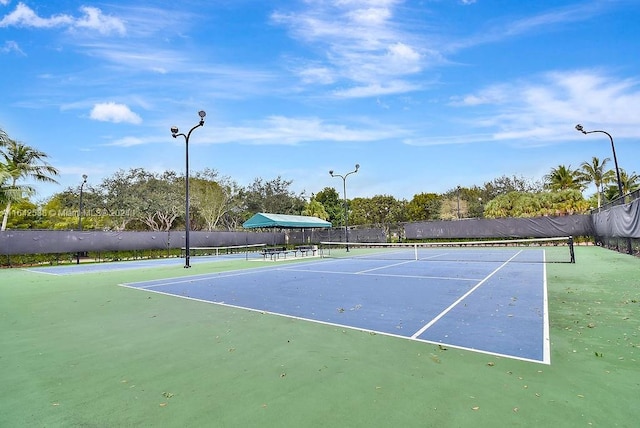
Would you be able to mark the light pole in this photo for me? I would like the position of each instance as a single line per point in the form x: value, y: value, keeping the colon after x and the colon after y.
x: 458, y: 193
x: 84, y: 181
x: 613, y: 148
x: 174, y: 134
x: 344, y: 191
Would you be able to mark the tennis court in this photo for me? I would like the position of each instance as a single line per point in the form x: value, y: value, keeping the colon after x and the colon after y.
x: 494, y: 301
x: 206, y: 255
x: 79, y: 350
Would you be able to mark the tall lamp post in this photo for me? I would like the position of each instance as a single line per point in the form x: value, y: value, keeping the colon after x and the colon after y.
x: 174, y: 134
x: 613, y: 148
x: 344, y: 192
x: 458, y: 193
x: 84, y: 181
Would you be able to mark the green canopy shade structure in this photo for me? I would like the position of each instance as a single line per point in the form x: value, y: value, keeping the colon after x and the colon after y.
x: 284, y: 221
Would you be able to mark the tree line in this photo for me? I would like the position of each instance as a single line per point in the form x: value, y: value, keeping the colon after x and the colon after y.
x: 138, y: 199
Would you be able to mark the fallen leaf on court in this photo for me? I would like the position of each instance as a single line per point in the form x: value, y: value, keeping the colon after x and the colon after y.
x: 163, y: 404
x: 491, y: 364
x: 475, y: 408
x: 515, y: 409
x: 167, y: 394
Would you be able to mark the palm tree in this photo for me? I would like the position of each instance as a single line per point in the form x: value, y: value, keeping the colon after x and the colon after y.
x: 20, y: 162
x: 630, y: 182
x: 595, y: 173
x: 563, y: 178
x: 7, y: 193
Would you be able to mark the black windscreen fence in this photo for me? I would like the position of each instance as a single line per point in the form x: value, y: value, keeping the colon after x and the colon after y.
x: 616, y: 227
x: 536, y: 227
x: 62, y: 241
x: 335, y: 234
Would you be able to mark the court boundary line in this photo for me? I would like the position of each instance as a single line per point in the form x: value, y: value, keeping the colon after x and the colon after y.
x: 330, y: 324
x: 210, y: 275
x: 546, y: 336
x: 385, y: 267
x: 380, y: 274
x: 461, y: 298
x: 41, y: 272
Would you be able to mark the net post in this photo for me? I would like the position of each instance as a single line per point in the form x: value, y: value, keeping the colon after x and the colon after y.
x: 573, y: 256
x: 415, y: 251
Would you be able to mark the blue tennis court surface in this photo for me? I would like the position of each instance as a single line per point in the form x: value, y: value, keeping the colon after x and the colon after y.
x: 499, y: 308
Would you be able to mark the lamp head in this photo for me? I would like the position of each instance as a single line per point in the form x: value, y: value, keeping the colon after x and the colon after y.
x: 357, y: 167
x: 580, y: 128
x: 331, y: 173
x: 202, y: 114
x: 84, y: 177
x: 174, y: 131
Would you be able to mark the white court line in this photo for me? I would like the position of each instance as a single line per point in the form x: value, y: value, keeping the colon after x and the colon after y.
x: 464, y: 296
x: 205, y: 276
x: 546, y: 351
x: 379, y: 274
x: 386, y: 266
x: 41, y: 272
x: 345, y: 326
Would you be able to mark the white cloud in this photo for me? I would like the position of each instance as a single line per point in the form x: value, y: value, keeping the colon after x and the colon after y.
x: 128, y: 142
x: 112, y: 112
x: 290, y: 131
x: 11, y: 46
x: 375, y: 89
x: 93, y: 19
x: 23, y: 16
x: 320, y: 75
x: 544, y: 109
x: 542, y: 22
x: 360, y: 44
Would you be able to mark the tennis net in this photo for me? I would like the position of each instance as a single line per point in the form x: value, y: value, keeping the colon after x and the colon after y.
x: 231, y: 251
x: 532, y: 250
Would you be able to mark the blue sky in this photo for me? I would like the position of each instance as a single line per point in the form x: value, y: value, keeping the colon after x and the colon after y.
x: 424, y: 95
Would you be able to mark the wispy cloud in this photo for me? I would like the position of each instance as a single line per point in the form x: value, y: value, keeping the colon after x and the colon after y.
x: 11, y: 46
x: 283, y: 130
x: 499, y: 30
x: 544, y: 109
x: 92, y: 19
x: 361, y: 44
x: 130, y: 142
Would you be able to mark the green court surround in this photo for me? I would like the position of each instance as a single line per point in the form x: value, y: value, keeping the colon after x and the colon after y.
x: 79, y: 351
